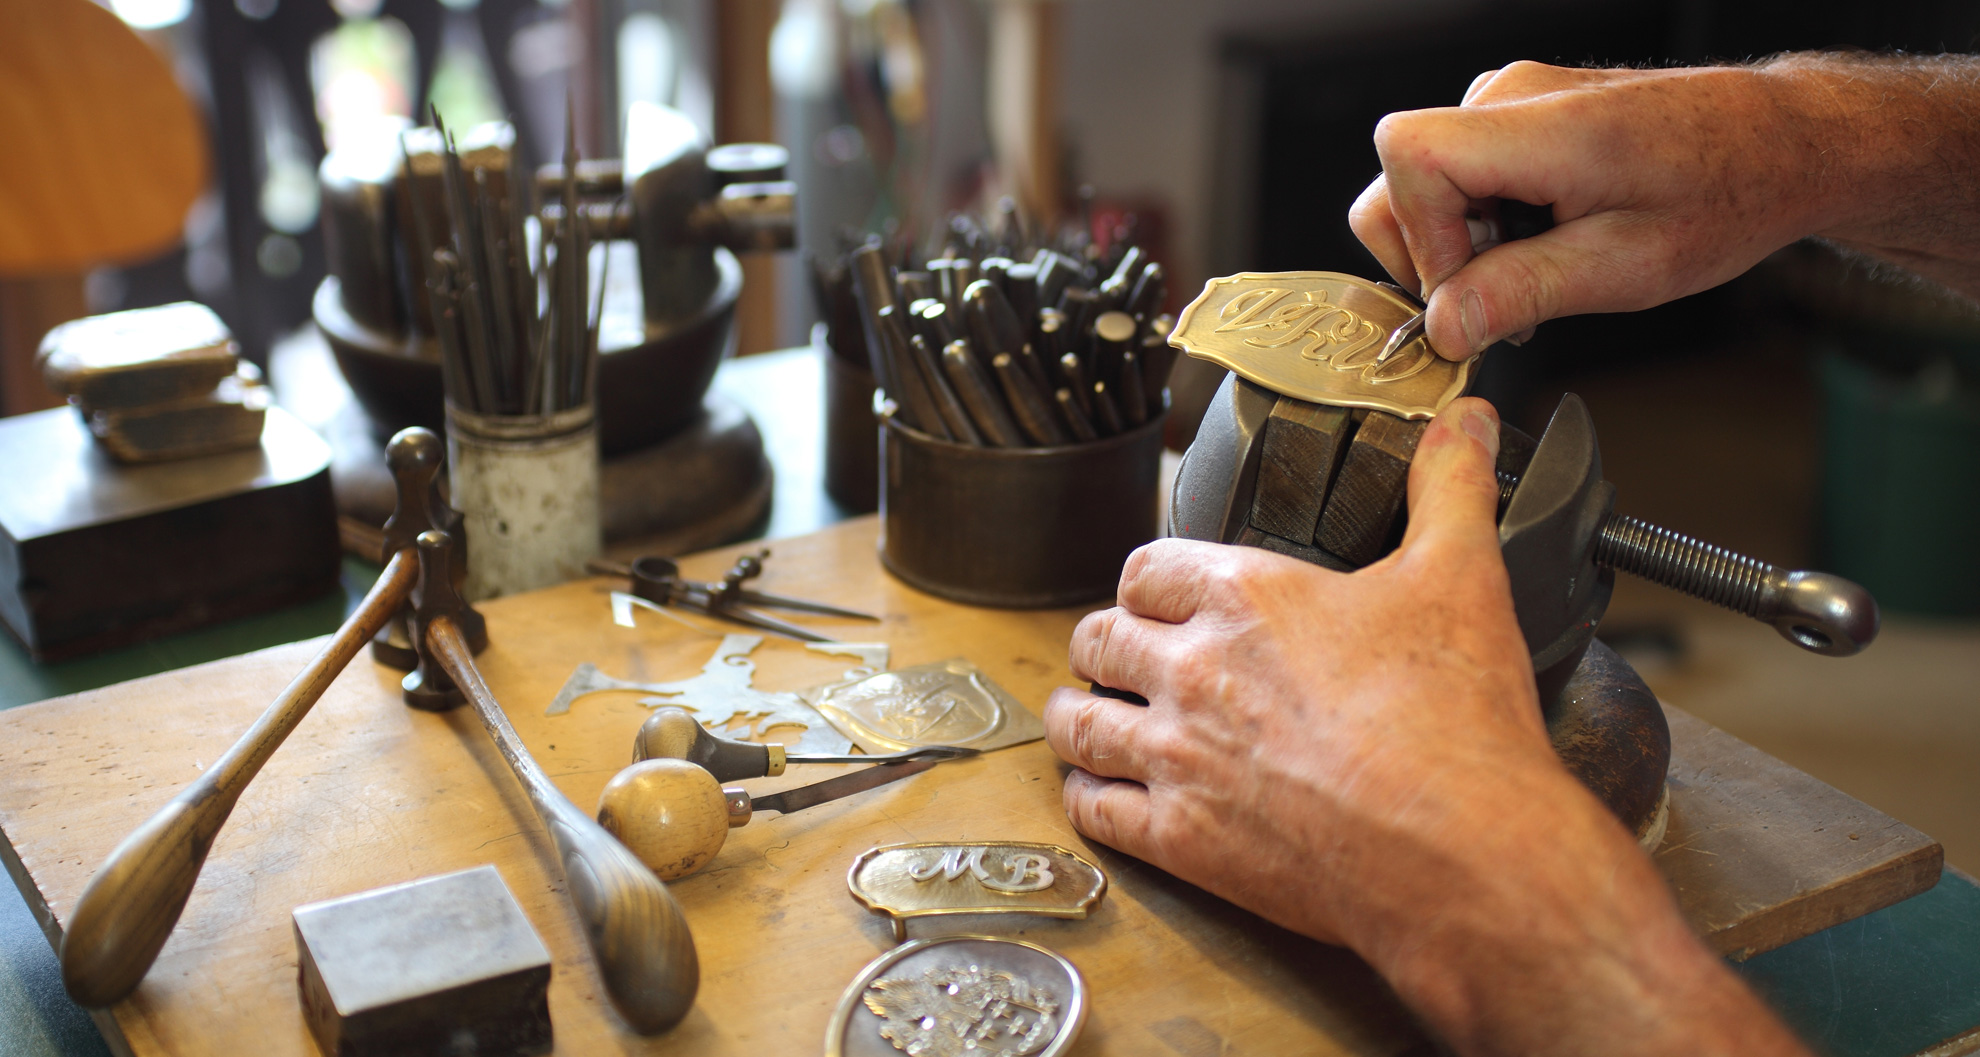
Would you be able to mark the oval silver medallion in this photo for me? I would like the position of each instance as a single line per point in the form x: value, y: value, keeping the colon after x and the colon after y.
x: 960, y: 996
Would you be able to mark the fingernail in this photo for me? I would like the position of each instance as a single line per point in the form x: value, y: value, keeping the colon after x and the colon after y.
x: 1471, y: 313
x: 1521, y: 338
x: 1483, y: 430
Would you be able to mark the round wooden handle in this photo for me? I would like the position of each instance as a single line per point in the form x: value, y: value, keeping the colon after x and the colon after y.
x: 672, y: 732
x: 130, y: 905
x: 670, y: 813
x: 127, y: 910
x: 645, y: 952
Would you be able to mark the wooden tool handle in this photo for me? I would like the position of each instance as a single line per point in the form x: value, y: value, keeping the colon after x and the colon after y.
x: 644, y: 950
x: 129, y: 907
x: 672, y: 733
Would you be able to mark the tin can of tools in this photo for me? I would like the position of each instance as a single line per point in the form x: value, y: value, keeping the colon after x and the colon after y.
x: 1019, y: 528
x: 528, y: 488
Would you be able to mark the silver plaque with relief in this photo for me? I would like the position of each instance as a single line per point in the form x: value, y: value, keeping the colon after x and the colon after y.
x: 960, y: 996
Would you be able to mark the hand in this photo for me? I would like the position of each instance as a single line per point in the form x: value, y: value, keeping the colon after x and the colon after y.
x: 1361, y: 758
x: 1662, y: 182
x: 1299, y: 715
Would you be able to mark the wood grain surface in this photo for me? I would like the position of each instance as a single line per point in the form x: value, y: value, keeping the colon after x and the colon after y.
x: 368, y: 792
x: 1366, y: 503
x: 1304, y: 445
x: 1810, y: 855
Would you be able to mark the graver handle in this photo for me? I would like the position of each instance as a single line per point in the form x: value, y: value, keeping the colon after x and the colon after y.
x: 129, y: 907
x: 644, y: 950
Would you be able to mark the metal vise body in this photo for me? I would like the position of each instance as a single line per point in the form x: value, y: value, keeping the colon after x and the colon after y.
x: 680, y: 202
x: 1263, y: 461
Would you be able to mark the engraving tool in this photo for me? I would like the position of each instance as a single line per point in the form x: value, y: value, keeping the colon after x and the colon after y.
x: 674, y: 815
x: 672, y: 733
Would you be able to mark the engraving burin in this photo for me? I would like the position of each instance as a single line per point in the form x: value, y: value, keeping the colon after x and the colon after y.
x: 1029, y: 872
x: 964, y: 1010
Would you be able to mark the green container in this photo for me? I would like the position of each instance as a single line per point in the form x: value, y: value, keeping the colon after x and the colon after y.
x: 1901, y: 484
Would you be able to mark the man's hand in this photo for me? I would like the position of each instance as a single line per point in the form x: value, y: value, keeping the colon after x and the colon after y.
x: 1667, y: 182
x: 1360, y: 757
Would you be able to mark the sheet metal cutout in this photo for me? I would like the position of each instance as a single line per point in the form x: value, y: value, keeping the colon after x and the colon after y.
x: 945, y: 703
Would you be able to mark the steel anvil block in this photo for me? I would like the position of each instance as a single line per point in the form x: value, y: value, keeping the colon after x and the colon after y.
x: 442, y: 965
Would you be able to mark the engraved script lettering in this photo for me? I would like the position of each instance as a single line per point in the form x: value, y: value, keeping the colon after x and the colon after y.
x: 1253, y: 323
x: 950, y: 865
x: 1028, y: 872
x: 1276, y: 318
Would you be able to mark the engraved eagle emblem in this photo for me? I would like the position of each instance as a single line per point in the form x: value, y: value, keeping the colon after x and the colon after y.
x: 958, y: 1010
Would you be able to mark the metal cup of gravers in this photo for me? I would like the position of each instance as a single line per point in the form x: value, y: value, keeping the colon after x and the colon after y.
x: 1017, y: 527
x: 528, y: 487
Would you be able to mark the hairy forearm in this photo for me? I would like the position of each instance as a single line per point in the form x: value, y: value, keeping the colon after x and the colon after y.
x: 1577, y: 949
x: 1893, y: 145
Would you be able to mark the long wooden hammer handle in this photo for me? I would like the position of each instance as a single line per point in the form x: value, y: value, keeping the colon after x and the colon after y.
x: 638, y: 935
x: 130, y: 905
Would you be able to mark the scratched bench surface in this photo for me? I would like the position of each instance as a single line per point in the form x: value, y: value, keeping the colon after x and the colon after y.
x: 368, y: 792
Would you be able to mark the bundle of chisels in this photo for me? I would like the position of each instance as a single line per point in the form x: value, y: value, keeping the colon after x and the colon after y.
x: 1036, y: 349
x: 514, y: 339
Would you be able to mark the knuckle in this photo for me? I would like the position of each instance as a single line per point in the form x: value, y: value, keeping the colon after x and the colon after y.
x: 1086, y: 806
x: 1527, y: 71
x: 1082, y: 732
x: 1137, y: 565
x: 1196, y: 674
x: 1089, y: 641
x: 1399, y: 131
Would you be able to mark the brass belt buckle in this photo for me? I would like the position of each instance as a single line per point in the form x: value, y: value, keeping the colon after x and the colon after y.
x: 1323, y: 337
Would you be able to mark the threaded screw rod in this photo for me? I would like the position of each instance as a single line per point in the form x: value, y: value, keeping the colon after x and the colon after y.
x: 1817, y: 611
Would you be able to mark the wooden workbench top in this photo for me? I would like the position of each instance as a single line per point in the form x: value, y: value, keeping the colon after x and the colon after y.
x: 368, y: 792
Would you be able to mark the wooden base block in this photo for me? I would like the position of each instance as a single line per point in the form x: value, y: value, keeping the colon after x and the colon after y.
x: 94, y: 554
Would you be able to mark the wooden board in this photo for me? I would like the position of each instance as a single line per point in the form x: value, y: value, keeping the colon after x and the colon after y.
x: 368, y: 793
x: 1762, y: 854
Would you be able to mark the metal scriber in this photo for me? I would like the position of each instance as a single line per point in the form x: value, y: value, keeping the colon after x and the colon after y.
x: 658, y: 580
x: 672, y: 733
x: 742, y: 805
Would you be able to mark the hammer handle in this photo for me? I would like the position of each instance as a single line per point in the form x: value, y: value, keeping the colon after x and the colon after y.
x: 635, y: 928
x: 129, y: 907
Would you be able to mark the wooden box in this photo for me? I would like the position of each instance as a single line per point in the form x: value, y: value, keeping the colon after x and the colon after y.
x: 96, y: 554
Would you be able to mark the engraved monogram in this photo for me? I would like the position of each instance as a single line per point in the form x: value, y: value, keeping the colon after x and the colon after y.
x: 1276, y: 317
x: 1319, y: 337
x: 906, y: 881
x: 964, y: 1010
x: 1028, y: 872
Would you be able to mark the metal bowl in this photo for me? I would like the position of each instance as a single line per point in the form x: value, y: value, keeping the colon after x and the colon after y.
x: 650, y: 385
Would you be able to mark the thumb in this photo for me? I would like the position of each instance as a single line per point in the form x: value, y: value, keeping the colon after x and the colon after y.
x: 1597, y: 263
x: 1453, y: 489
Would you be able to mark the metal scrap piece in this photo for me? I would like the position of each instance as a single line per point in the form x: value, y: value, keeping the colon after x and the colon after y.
x: 945, y: 703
